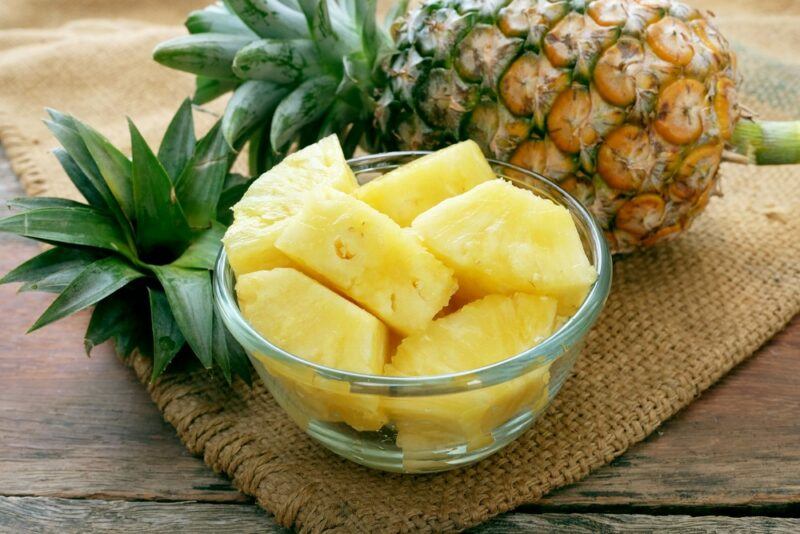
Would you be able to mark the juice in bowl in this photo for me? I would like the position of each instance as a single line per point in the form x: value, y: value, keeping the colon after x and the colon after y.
x: 413, y: 312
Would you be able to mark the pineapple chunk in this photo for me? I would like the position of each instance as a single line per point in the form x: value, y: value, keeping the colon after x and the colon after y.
x: 260, y: 215
x: 499, y: 238
x: 305, y: 318
x: 366, y: 256
x: 481, y: 333
x: 407, y: 191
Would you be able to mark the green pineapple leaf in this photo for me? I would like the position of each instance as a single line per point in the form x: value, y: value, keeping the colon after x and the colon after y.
x: 306, y: 104
x: 32, y: 203
x: 114, y: 166
x: 188, y: 292
x: 57, y: 281
x: 228, y: 354
x: 209, y: 54
x: 160, y: 222
x: 108, y: 319
x: 99, y: 280
x: 200, y: 184
x: 250, y: 106
x: 202, y: 253
x: 235, y: 187
x: 396, y: 10
x: 79, y: 179
x: 207, y: 89
x: 76, y: 148
x: 216, y: 19
x: 279, y: 62
x: 82, y: 225
x: 167, y: 336
x: 48, y: 263
x: 117, y: 260
x: 178, y: 143
x: 273, y: 19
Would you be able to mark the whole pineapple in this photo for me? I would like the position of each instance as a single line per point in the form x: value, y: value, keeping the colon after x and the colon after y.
x: 628, y: 104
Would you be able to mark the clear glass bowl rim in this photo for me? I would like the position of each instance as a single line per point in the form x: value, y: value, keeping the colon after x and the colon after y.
x: 545, y: 352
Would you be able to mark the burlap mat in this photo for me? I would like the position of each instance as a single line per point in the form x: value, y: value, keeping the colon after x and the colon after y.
x: 678, y: 319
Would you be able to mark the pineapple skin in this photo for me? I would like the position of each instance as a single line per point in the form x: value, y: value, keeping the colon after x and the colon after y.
x: 627, y: 104
x: 303, y: 317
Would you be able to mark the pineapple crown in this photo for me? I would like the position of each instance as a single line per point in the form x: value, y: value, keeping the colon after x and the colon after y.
x: 143, y: 244
x: 299, y: 70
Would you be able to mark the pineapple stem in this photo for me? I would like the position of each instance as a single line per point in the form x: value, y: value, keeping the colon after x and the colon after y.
x: 767, y: 142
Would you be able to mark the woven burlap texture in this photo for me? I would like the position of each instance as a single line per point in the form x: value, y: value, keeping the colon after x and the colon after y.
x: 679, y: 317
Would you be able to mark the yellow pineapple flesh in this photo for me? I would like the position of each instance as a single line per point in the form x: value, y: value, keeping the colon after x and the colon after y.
x: 365, y: 255
x: 481, y: 333
x: 502, y: 239
x: 407, y: 191
x: 304, y: 318
x: 261, y: 214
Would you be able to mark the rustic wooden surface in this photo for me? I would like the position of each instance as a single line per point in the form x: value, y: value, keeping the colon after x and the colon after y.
x: 81, y: 445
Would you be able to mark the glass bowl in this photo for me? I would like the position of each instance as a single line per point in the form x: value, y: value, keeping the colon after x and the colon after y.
x: 429, y: 423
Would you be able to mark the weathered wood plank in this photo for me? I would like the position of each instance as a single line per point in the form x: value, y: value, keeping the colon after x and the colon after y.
x: 677, y: 524
x: 41, y: 514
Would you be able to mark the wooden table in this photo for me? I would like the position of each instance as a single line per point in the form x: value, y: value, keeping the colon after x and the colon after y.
x: 82, y: 447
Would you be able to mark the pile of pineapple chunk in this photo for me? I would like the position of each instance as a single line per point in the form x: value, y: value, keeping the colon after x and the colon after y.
x: 433, y: 268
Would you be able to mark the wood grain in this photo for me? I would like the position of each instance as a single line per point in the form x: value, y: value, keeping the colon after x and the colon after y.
x: 67, y: 516
x: 737, y: 445
x: 41, y: 514
x: 668, y: 524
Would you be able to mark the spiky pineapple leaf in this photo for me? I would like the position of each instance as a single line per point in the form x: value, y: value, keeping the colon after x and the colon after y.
x: 32, y: 203
x: 396, y: 10
x: 280, y: 62
x: 63, y: 275
x: 188, y: 292
x: 216, y: 19
x: 260, y: 155
x: 270, y: 18
x: 178, y: 142
x: 109, y: 318
x: 209, y: 54
x: 99, y: 280
x: 160, y: 222
x: 325, y: 36
x: 49, y: 262
x: 306, y: 104
x: 202, y: 253
x: 200, y: 184
x: 76, y: 148
x: 114, y: 166
x: 207, y: 89
x: 228, y: 354
x: 167, y: 336
x: 250, y: 106
x: 54, y: 283
x: 219, y: 348
x: 79, y: 179
x: 231, y: 194
x: 82, y: 225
